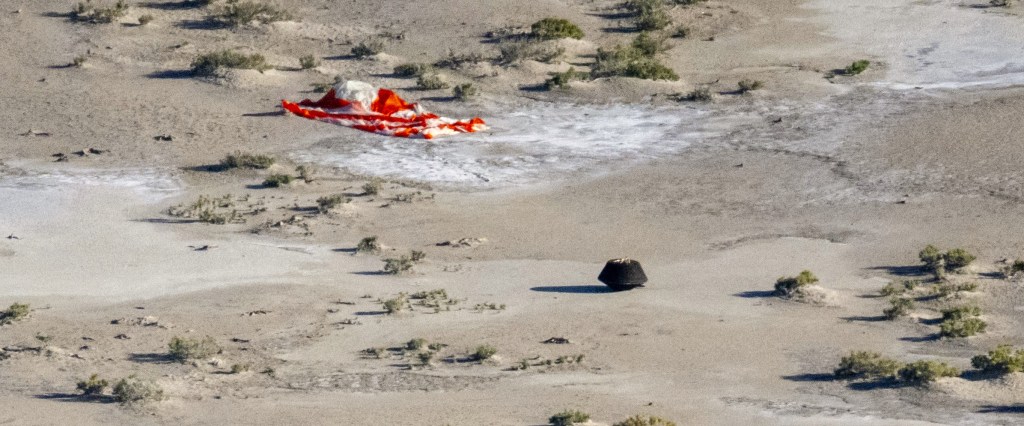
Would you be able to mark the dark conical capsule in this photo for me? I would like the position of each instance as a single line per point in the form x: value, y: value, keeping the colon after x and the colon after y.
x: 622, y: 274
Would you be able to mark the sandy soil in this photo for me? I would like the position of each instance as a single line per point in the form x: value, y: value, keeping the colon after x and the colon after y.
x: 848, y: 176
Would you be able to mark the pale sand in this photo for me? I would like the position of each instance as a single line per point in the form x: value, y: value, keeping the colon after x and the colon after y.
x: 857, y: 176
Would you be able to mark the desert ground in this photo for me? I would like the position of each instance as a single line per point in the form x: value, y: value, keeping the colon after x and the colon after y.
x: 107, y: 138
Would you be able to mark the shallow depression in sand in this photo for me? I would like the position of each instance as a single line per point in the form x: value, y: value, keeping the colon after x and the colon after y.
x: 526, y: 145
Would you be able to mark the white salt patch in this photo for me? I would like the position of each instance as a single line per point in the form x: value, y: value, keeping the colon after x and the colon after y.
x: 150, y: 185
x: 939, y: 45
x: 528, y: 145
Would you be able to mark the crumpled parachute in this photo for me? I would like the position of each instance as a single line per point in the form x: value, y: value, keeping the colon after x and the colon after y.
x: 346, y: 105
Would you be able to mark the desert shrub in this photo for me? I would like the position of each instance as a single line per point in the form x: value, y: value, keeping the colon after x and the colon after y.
x: 416, y: 344
x: 687, y: 2
x: 87, y: 12
x: 749, y: 85
x: 368, y: 245
x: 396, y: 305
x: 483, y: 352
x: 431, y: 82
x: 629, y: 62
x: 866, y: 365
x: 561, y: 80
x: 402, y: 264
x: 700, y: 94
x: 239, y: 13
x: 326, y: 203
x: 308, y: 62
x: 896, y: 289
x: 931, y: 256
x: 568, y: 418
x: 960, y: 312
x: 15, y: 312
x: 963, y: 327
x: 465, y: 91
x: 306, y: 173
x: 648, y: 15
x: 208, y: 64
x: 1014, y: 268
x: 857, y: 67
x: 425, y: 357
x: 958, y: 258
x: 457, y: 60
x: 372, y: 187
x: 900, y: 307
x: 276, y: 180
x: 79, y: 61
x: 924, y: 372
x: 209, y: 210
x: 513, y: 52
x: 145, y: 19
x: 947, y: 289
x: 246, y: 161
x: 133, y: 390
x: 650, y: 44
x: 368, y: 47
x: 1000, y: 3
x: 1001, y: 360
x: 787, y: 286
x: 183, y: 349
x: 412, y: 69
x: 555, y: 28
x: 639, y: 420
x: 93, y: 386
x: 681, y: 31
x: 239, y: 368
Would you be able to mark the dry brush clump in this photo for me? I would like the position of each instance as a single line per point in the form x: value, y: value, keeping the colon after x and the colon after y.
x: 89, y: 13
x: 246, y: 161
x: 1001, y: 360
x: 369, y: 245
x: 899, y: 307
x: 639, y: 420
x: 555, y: 28
x: 132, y: 390
x: 15, y: 312
x: 92, y: 386
x: 368, y: 47
x: 238, y: 13
x: 183, y: 349
x: 865, y: 365
x: 465, y: 92
x: 215, y: 211
x: 208, y: 64
x: 326, y: 203
x: 792, y: 287
x: 409, y: 70
x: 568, y: 418
x: 403, y: 264
x: 939, y: 263
x: 630, y: 62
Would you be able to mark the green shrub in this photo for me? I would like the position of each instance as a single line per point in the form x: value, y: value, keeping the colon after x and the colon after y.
x: 88, y: 13
x: 857, y: 67
x: 555, y: 28
x: 15, y: 312
x: 958, y: 258
x: 184, y: 349
x: 931, y: 256
x: 629, y: 62
x: 1001, y: 360
x: 246, y: 161
x: 455, y: 61
x: 568, y: 418
x: 924, y: 372
x: 561, y: 80
x: 465, y: 91
x: 649, y: 44
x: 133, y: 390
x: 639, y: 420
x: 947, y: 289
x: 749, y: 85
x: 963, y: 327
x: 207, y: 64
x: 431, y: 82
x: 145, y: 19
x: 412, y: 70
x: 866, y: 365
x: 786, y: 286
x: 276, y: 180
x: 896, y: 289
x: 368, y: 47
x: 239, y: 13
x: 396, y: 305
x: 900, y: 307
x: 93, y: 386
x: 484, y: 352
x: 960, y: 312
x: 368, y: 245
x: 308, y: 62
x: 326, y: 203
x: 648, y: 15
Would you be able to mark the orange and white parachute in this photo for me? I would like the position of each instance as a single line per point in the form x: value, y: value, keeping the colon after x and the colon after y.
x: 346, y: 105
